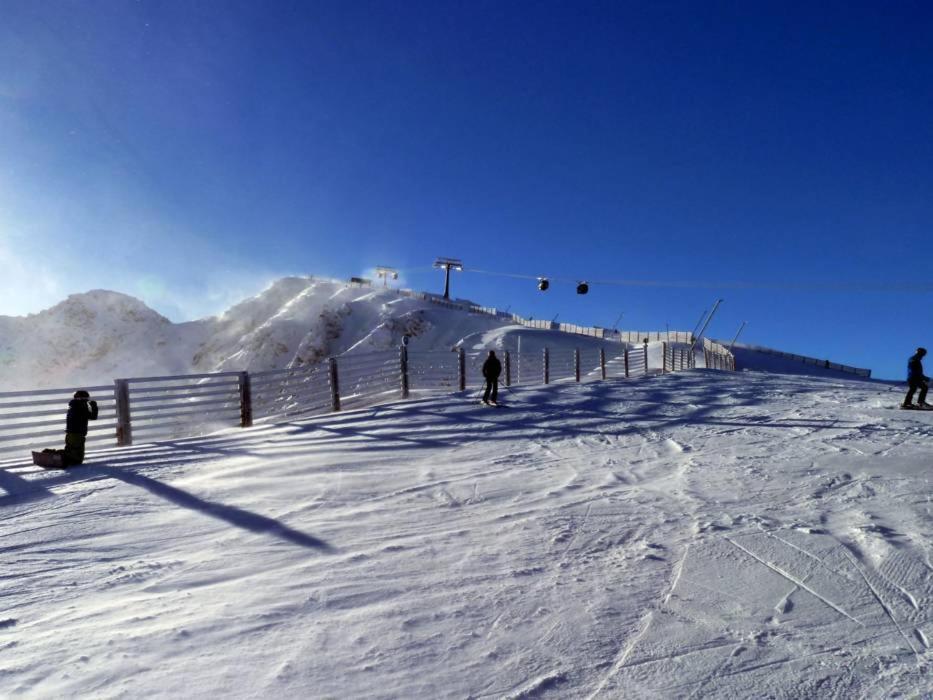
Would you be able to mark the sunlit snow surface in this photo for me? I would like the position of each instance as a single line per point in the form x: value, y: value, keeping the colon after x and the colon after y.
x: 702, y: 534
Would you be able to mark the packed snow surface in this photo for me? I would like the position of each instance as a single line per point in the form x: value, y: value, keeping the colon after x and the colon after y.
x: 701, y: 534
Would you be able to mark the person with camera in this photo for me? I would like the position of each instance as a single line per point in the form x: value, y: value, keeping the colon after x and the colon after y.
x: 81, y: 409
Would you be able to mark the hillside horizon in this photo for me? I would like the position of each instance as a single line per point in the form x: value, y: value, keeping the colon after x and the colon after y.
x: 96, y: 336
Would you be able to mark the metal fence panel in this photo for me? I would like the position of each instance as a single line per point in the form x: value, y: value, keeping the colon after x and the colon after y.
x: 369, y: 378
x: 19, y: 431
x: 190, y: 405
x: 433, y: 372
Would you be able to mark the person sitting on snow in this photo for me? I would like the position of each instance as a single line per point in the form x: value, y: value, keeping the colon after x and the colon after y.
x: 492, y: 368
x: 916, y: 380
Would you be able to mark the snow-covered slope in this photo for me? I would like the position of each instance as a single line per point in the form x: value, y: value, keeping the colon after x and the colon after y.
x: 700, y: 534
x: 95, y: 337
x: 92, y: 338
x: 750, y: 357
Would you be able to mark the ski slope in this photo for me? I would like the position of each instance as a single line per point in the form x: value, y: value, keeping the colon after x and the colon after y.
x: 699, y: 534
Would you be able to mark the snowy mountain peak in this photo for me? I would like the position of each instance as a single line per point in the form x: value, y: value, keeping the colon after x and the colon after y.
x: 101, y: 306
x: 93, y: 337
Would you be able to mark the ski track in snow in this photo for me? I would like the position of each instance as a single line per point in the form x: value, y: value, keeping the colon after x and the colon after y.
x: 701, y: 534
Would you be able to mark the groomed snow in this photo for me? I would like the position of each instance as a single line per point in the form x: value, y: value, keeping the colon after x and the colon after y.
x: 701, y: 534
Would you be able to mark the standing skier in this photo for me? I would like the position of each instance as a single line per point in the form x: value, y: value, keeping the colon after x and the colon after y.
x: 492, y: 368
x: 916, y: 380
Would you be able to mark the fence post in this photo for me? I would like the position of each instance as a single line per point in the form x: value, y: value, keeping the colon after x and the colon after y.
x: 625, y: 354
x: 664, y: 358
x: 246, y: 401
x: 461, y: 368
x: 547, y: 367
x: 121, y: 395
x: 646, y: 358
x: 403, y: 366
x: 602, y: 362
x: 508, y: 369
x: 576, y: 363
x: 334, y: 385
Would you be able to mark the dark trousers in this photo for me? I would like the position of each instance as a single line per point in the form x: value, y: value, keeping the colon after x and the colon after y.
x: 915, y: 384
x: 74, y: 449
x: 492, y: 390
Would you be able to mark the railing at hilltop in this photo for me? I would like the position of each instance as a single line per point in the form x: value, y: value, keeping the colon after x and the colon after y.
x: 826, y: 364
x: 717, y: 356
x: 541, y: 324
x: 148, y: 409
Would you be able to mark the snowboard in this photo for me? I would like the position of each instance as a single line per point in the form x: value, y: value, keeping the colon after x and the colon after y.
x: 916, y: 408
x: 48, y: 460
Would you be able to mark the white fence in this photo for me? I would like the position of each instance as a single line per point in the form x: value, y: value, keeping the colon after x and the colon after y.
x: 717, y: 356
x: 39, y: 415
x: 826, y: 364
x: 541, y: 324
x: 148, y: 409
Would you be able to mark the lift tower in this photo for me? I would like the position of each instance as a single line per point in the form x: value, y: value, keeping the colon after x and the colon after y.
x: 447, y: 264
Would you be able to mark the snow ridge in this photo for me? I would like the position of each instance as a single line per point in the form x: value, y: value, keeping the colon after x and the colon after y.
x: 95, y: 337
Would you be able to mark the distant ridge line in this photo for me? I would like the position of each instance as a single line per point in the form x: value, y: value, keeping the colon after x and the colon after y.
x: 848, y: 369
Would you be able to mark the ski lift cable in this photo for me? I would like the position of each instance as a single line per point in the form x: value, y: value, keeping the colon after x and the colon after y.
x: 694, y: 284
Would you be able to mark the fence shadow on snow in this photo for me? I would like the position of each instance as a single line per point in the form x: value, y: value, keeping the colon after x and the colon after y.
x: 160, y: 409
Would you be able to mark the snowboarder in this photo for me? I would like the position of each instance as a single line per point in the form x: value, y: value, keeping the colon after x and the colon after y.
x: 916, y: 380
x: 492, y: 368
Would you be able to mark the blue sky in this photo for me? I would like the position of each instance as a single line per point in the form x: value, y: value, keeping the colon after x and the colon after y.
x: 189, y: 153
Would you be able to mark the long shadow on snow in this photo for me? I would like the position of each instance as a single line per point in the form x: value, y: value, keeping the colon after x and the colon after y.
x: 20, y: 490
x: 675, y: 390
x: 708, y: 399
x: 351, y: 431
x: 230, y: 514
x: 503, y: 430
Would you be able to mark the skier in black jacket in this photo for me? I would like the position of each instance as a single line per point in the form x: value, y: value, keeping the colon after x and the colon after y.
x: 916, y: 380
x: 492, y: 368
x: 81, y: 409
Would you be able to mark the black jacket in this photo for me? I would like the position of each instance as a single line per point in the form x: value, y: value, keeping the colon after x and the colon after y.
x: 492, y: 368
x: 80, y: 411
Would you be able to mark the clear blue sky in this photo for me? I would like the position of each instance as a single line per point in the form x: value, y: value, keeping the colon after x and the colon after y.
x: 190, y: 152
